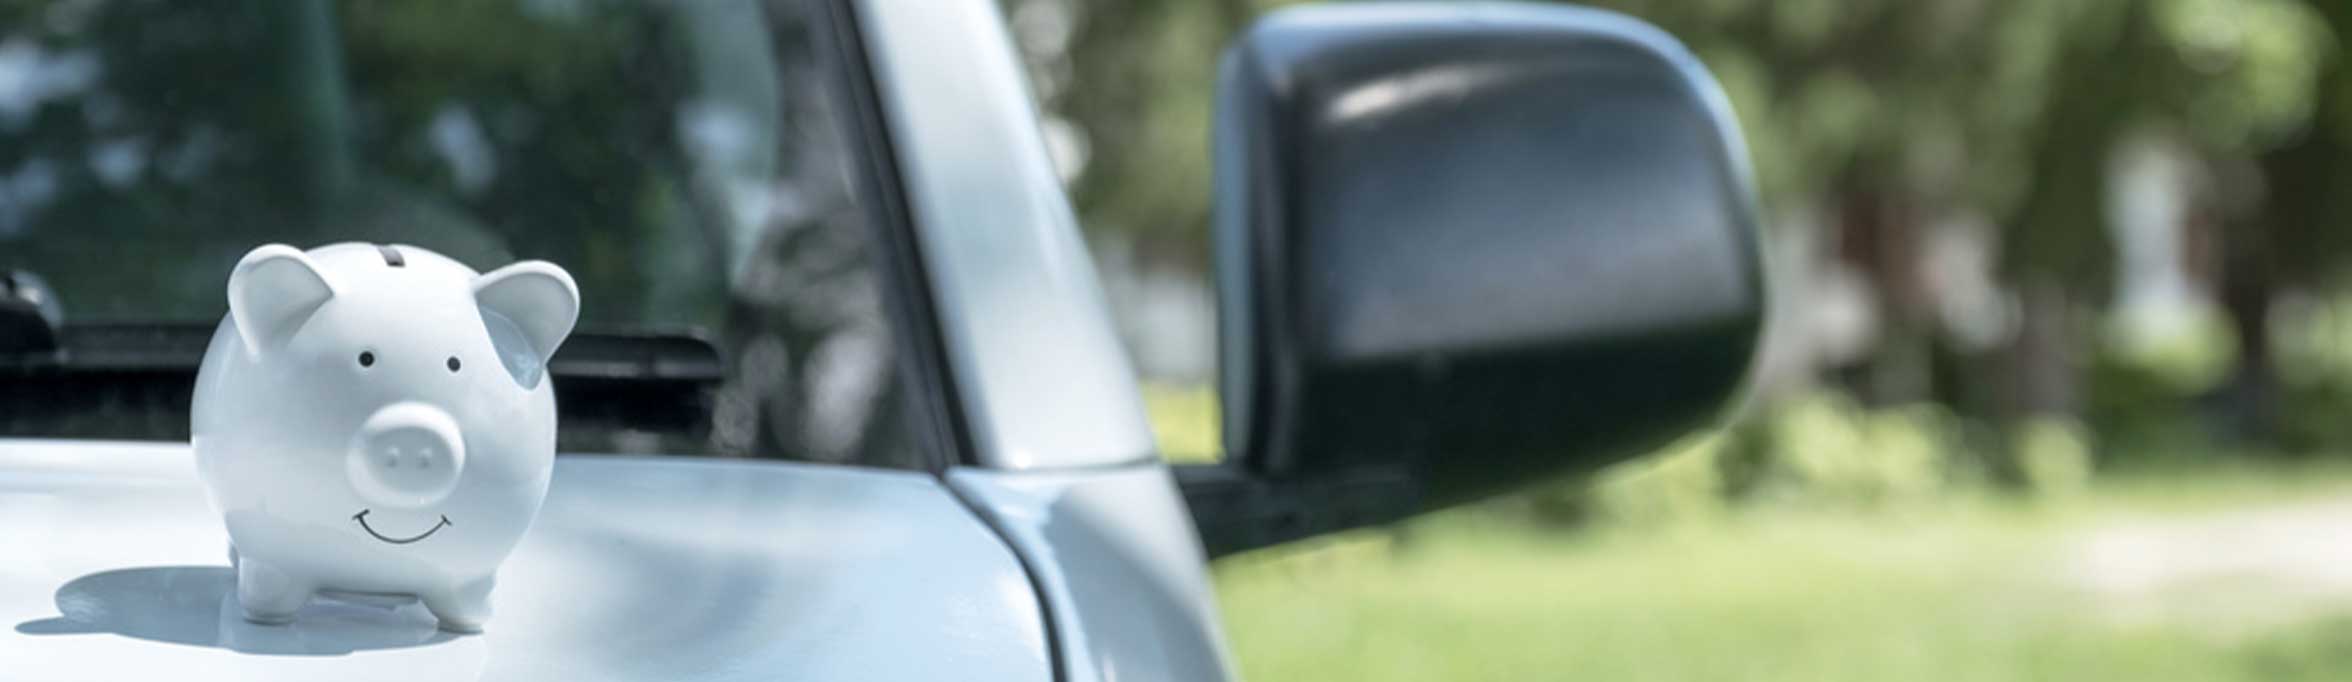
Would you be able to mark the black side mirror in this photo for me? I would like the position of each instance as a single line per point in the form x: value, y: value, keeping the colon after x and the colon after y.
x: 1460, y: 247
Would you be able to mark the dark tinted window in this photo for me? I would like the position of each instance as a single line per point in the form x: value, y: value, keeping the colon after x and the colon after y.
x: 686, y: 162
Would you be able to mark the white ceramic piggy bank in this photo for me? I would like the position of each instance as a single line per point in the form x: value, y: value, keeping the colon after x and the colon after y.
x: 376, y: 422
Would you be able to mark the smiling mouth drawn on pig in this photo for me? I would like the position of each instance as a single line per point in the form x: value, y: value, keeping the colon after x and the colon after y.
x: 361, y: 517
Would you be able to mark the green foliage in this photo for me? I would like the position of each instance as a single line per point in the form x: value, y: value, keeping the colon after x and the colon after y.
x: 2005, y: 107
x: 1184, y: 421
x: 2250, y: 68
x: 1825, y: 449
x: 1820, y: 451
x: 2315, y: 344
x: 1144, y: 73
x: 1681, y: 483
x: 2155, y: 400
x: 2315, y: 372
x: 2143, y: 393
x: 2194, y: 360
x: 2053, y: 456
x: 2313, y: 416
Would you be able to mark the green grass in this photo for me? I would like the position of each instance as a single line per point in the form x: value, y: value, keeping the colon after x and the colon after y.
x: 1961, y: 589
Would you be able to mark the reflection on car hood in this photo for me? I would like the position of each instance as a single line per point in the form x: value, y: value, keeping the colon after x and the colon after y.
x: 112, y: 566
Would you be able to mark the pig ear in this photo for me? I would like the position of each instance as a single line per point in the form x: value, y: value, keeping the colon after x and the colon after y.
x: 273, y: 289
x: 538, y: 297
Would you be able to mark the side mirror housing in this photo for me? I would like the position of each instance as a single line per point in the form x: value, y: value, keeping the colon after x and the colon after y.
x: 1460, y: 247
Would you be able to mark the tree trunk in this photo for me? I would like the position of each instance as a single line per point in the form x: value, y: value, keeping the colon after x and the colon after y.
x: 2296, y: 238
x: 2248, y: 283
x: 2043, y: 359
x: 1877, y: 235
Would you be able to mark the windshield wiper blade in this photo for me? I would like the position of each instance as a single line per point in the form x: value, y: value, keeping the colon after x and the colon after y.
x: 633, y: 357
x: 105, y: 347
x: 134, y: 380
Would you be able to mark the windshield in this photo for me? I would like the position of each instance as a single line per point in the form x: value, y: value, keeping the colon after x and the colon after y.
x: 681, y: 160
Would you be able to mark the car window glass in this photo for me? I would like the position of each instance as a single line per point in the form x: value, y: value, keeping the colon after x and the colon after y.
x: 685, y: 162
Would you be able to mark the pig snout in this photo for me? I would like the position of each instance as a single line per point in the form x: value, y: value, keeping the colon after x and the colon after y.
x: 406, y: 455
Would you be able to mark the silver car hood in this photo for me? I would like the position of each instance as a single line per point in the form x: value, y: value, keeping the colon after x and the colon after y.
x: 112, y: 566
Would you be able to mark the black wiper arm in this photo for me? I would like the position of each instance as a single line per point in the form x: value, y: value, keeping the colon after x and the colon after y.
x: 29, y: 314
x: 639, y: 358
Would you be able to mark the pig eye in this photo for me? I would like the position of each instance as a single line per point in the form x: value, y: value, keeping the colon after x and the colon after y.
x: 453, y: 364
x: 367, y: 359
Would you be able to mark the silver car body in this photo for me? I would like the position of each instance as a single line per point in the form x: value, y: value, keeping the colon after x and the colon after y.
x: 637, y: 569
x: 1061, y: 551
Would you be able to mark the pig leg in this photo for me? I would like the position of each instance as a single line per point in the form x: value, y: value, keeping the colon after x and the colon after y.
x: 269, y: 595
x: 464, y: 608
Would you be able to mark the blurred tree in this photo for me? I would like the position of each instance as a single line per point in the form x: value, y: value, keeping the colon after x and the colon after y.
x: 1893, y: 114
x: 1134, y: 81
x: 2296, y: 237
x: 1888, y: 120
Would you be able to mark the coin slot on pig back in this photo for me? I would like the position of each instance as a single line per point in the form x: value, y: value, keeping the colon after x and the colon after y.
x: 392, y: 257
